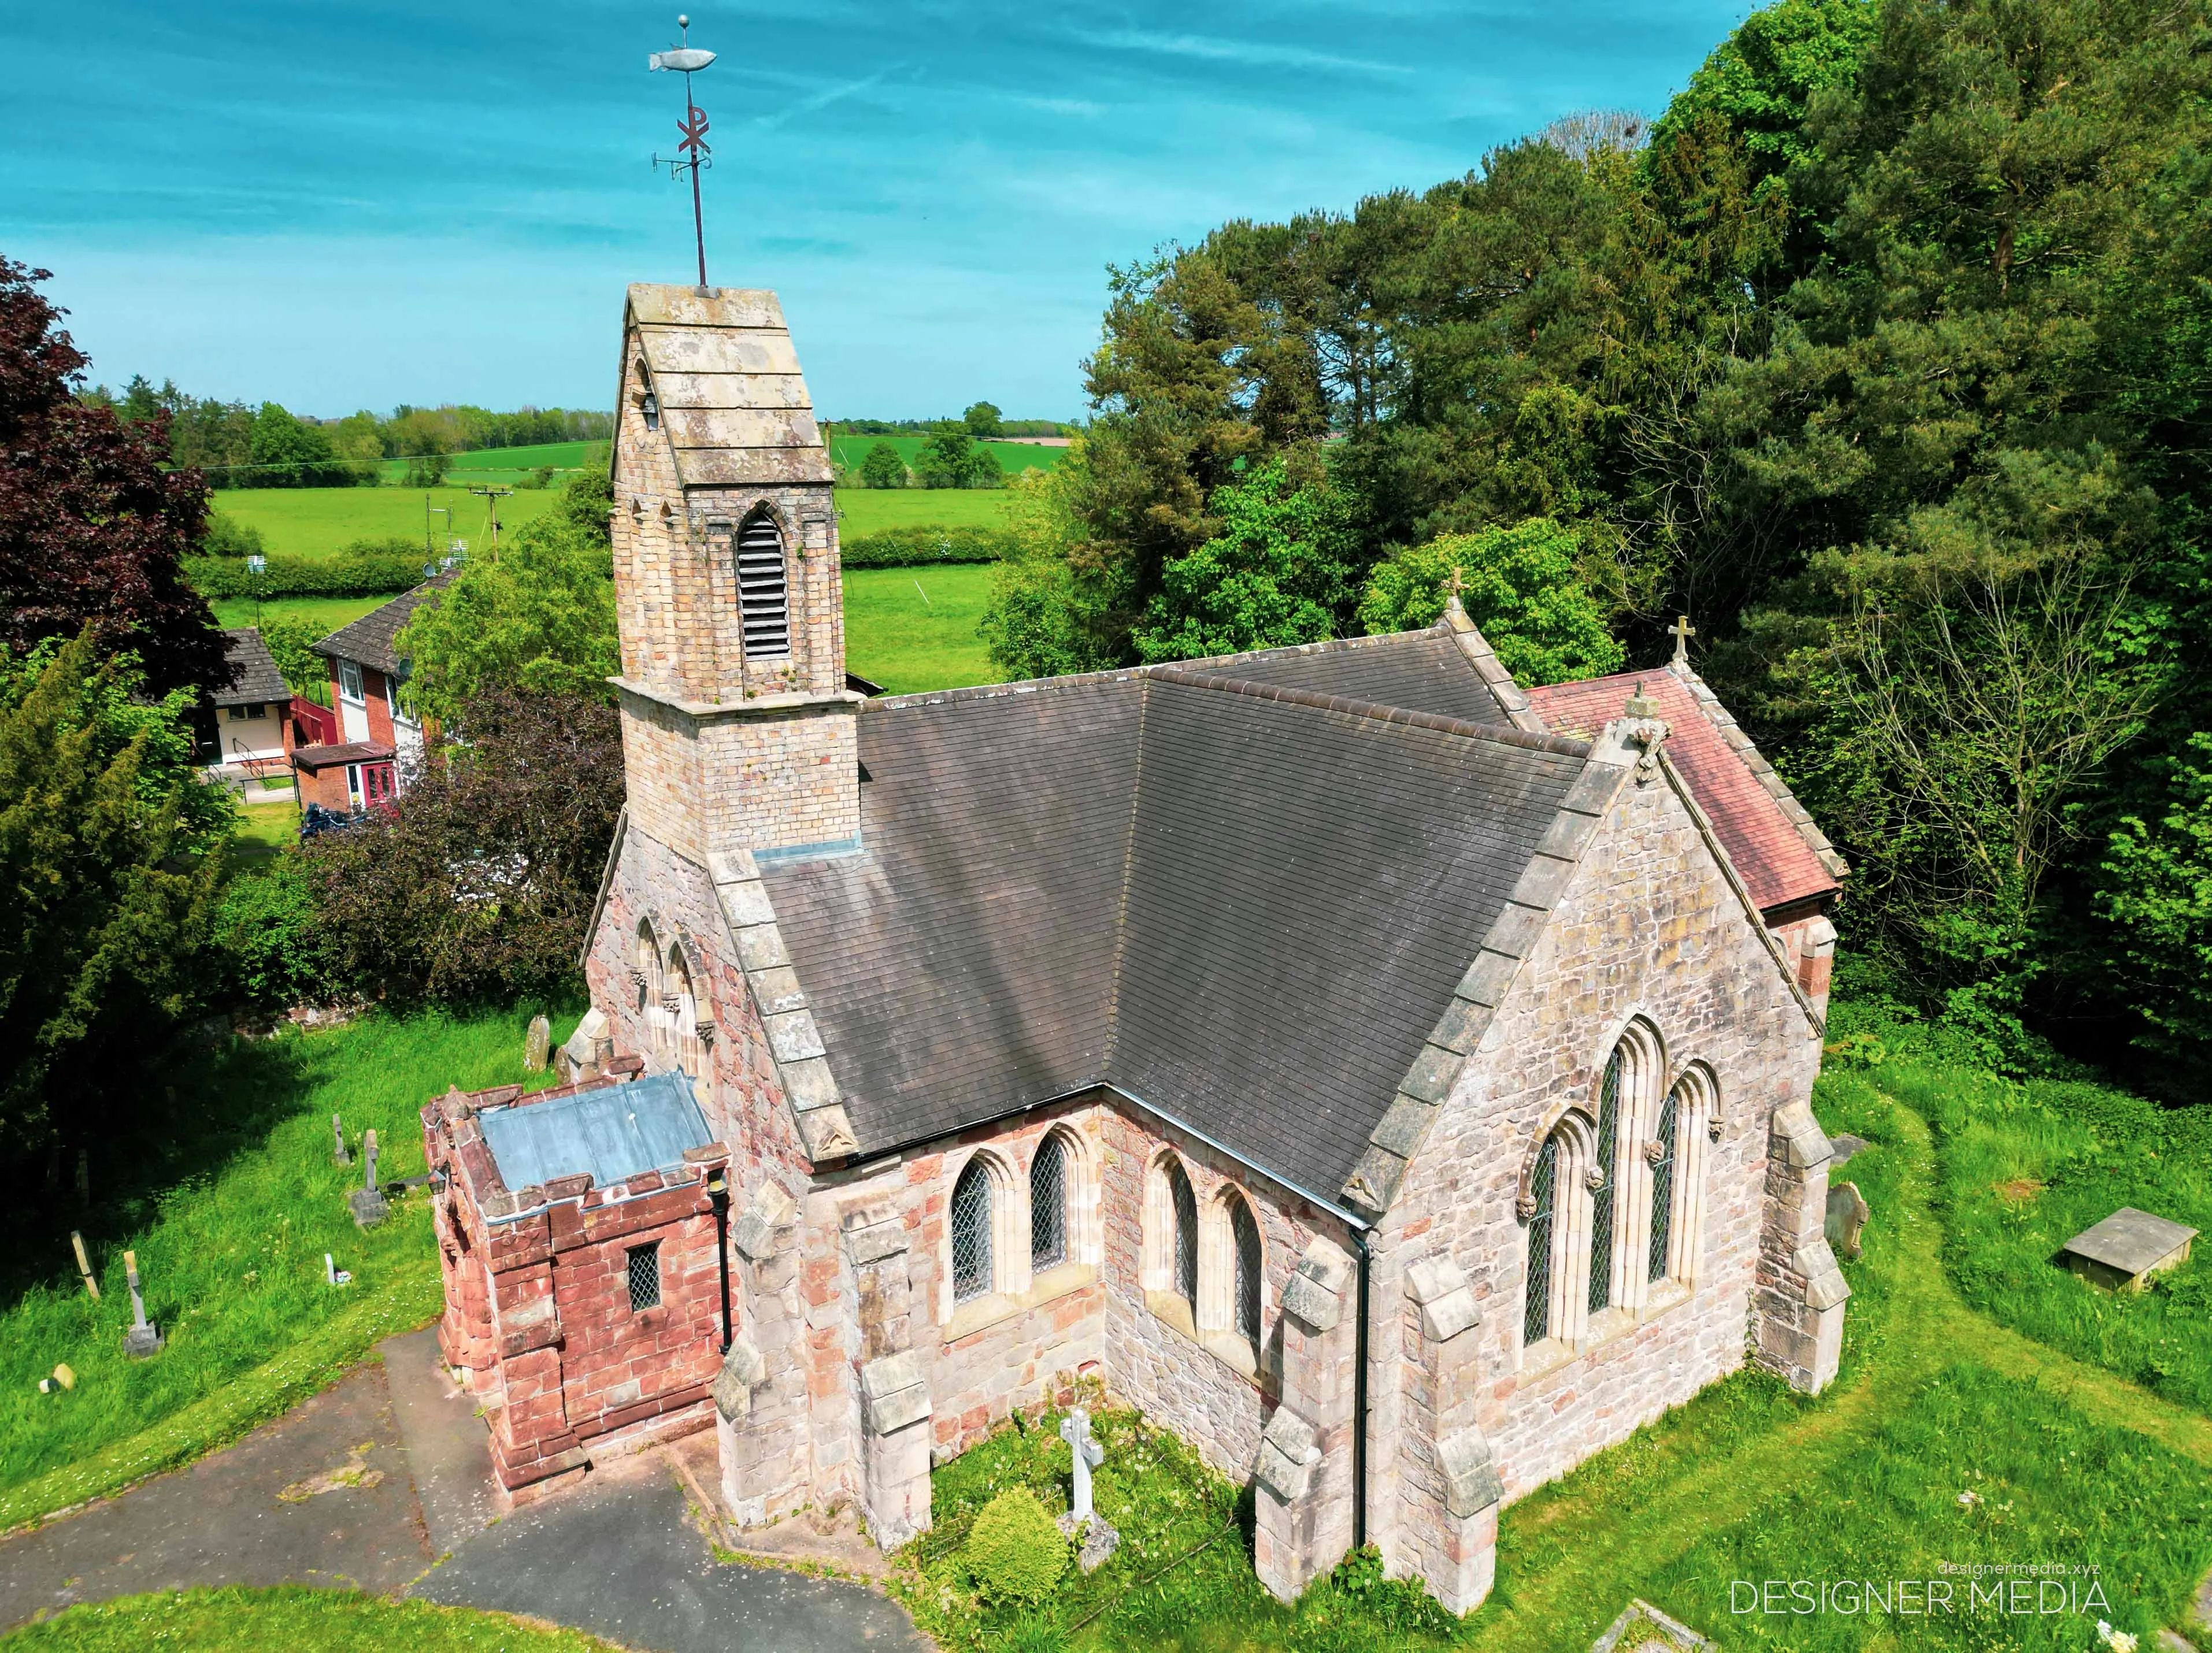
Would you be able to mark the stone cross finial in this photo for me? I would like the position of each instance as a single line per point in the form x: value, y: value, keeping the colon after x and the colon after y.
x: 1641, y: 705
x: 369, y: 1159
x: 1457, y: 584
x: 1075, y: 1430
x: 1682, y: 631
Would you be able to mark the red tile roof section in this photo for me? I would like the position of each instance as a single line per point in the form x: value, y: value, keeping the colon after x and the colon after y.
x: 1778, y: 853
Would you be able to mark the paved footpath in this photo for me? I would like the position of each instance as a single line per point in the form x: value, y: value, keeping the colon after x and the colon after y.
x: 383, y: 1483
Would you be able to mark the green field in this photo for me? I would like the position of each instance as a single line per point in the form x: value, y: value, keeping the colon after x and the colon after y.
x: 510, y: 465
x: 321, y: 521
x: 864, y: 510
x: 915, y: 628
x: 325, y: 614
x: 1012, y: 456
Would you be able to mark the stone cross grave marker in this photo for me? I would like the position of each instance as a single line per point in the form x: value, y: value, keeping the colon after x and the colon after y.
x: 141, y: 1340
x: 370, y: 1207
x: 1075, y: 1430
x: 339, y: 1156
x: 1099, y: 1538
x: 536, y: 1049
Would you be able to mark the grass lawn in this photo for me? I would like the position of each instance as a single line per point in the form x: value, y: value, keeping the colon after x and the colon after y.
x: 865, y: 510
x: 915, y: 628
x: 1012, y: 456
x: 230, y: 1208
x: 264, y: 829
x: 293, y: 1618
x: 2066, y: 1464
x: 321, y: 521
x: 325, y: 614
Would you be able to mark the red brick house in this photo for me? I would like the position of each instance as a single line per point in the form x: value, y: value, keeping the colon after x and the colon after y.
x: 379, y: 741
x: 578, y: 1234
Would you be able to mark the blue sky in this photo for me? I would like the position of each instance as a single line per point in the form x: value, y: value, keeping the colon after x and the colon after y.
x: 347, y: 206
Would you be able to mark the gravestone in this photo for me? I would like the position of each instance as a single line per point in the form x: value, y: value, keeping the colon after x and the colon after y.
x: 369, y: 1206
x: 1845, y: 1146
x: 338, y: 1155
x: 2125, y: 1250
x: 1099, y: 1539
x: 1847, y: 1218
x: 141, y: 1340
x: 534, y: 1048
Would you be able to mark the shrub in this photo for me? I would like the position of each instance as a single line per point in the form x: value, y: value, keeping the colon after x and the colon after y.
x: 277, y: 950
x: 227, y: 536
x: 1015, y: 1553
x: 900, y: 548
x: 368, y: 567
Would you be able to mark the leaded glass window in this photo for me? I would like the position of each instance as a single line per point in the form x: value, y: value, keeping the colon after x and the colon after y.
x: 1663, y: 1187
x: 1536, y: 1309
x: 971, y: 1233
x: 1246, y: 1233
x: 1608, y: 1139
x: 644, y: 1277
x: 1049, y: 1205
x: 1186, y: 1234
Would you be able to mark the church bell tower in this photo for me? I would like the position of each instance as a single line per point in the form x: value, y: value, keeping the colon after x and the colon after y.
x: 738, y: 728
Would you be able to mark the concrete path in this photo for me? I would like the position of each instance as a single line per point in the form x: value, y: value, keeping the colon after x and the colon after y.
x: 321, y: 1496
x: 384, y: 1484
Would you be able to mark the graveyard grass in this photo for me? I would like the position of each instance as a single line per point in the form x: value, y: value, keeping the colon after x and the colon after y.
x: 293, y: 1618
x: 230, y: 1224
x: 915, y: 628
x: 2000, y: 1376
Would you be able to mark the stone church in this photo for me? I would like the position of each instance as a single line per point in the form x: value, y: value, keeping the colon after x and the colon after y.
x: 1392, y: 1081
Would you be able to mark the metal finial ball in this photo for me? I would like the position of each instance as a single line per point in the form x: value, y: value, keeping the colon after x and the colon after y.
x: 681, y: 22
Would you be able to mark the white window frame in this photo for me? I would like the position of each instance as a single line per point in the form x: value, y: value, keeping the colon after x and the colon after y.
x: 349, y: 684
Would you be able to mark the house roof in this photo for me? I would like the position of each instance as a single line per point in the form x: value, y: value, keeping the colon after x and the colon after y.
x: 351, y: 751
x: 732, y: 402
x: 615, y: 1133
x: 1781, y: 855
x: 1244, y: 903
x: 254, y: 676
x: 372, y: 640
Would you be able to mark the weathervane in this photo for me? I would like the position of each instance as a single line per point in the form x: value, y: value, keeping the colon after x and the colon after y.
x: 692, y: 152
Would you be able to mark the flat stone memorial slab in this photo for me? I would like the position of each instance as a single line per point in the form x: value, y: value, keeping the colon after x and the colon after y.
x: 2127, y: 1248
x: 1641, y: 1628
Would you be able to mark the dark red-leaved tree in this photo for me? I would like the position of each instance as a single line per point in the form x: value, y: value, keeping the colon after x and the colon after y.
x: 92, y: 529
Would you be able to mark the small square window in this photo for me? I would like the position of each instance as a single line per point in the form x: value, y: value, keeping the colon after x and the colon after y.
x: 243, y: 713
x: 350, y: 681
x: 644, y: 1277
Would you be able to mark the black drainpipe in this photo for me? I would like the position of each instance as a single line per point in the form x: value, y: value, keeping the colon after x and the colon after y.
x: 718, y: 1196
x: 1359, y: 1402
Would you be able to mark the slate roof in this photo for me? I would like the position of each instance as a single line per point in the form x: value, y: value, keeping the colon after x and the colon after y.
x: 372, y: 640
x: 615, y: 1132
x: 255, y: 677
x: 1243, y: 902
x: 1779, y: 853
x: 350, y: 751
x: 1420, y: 671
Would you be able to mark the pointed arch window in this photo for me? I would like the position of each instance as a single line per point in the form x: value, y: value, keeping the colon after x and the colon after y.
x: 763, y: 599
x: 1244, y: 1234
x: 1543, y: 1226
x: 971, y: 1231
x: 1601, y: 1196
x: 1186, y: 1234
x: 1049, y: 1205
x: 681, y: 1006
x: 1664, y: 1140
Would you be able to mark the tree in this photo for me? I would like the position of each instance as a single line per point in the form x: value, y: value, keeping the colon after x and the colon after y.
x: 983, y: 421
x: 951, y: 458
x: 289, y: 454
x: 1278, y: 572
x: 93, y: 530
x: 540, y: 614
x: 477, y: 886
x: 882, y: 467
x: 107, y: 853
x: 1520, y: 587
x: 1052, y: 609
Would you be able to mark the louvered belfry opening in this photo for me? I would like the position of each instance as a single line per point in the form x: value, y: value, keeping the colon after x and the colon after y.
x: 763, y: 596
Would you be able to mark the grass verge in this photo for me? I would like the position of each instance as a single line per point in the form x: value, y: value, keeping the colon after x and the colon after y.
x: 292, y: 1618
x: 230, y: 1214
